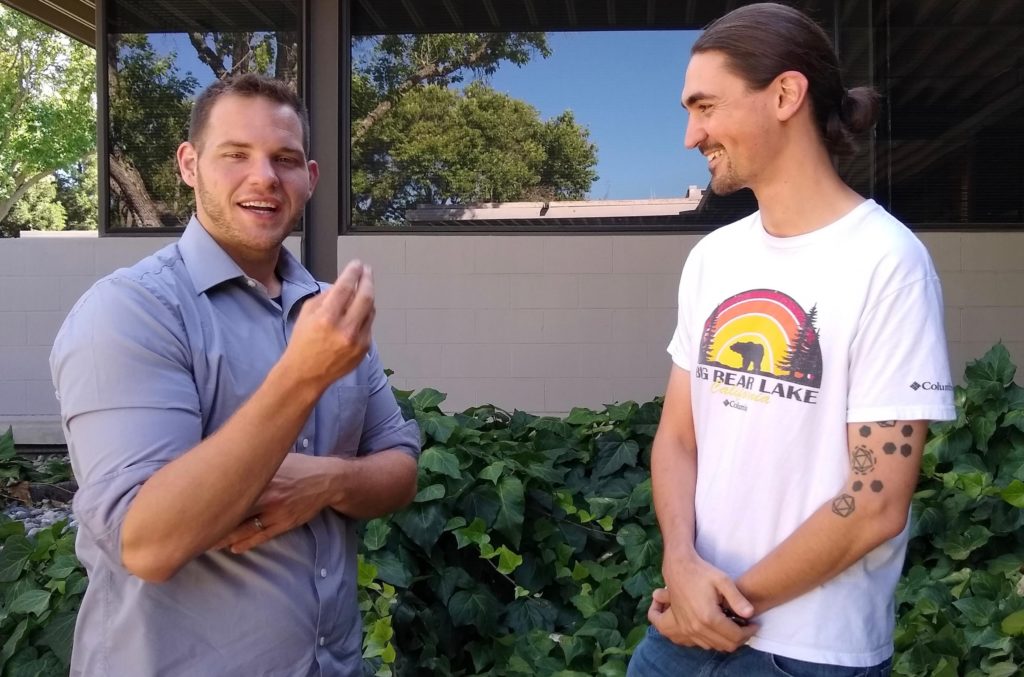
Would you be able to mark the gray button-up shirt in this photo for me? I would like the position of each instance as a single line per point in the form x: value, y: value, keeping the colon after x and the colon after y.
x: 150, y: 361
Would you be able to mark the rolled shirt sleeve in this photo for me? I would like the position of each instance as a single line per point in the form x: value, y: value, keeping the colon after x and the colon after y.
x: 129, y: 403
x: 383, y: 426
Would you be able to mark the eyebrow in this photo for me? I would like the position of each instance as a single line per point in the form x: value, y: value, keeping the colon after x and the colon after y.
x: 695, y: 97
x: 243, y: 144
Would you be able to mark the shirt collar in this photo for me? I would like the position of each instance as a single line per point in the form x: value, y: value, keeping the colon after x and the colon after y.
x: 209, y: 265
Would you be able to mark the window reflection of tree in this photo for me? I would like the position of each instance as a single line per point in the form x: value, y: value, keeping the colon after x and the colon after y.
x: 150, y: 102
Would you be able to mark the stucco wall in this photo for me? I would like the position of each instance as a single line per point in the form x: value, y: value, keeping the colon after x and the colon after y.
x: 535, y: 322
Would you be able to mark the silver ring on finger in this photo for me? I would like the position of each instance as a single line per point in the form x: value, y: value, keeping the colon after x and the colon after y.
x: 258, y: 523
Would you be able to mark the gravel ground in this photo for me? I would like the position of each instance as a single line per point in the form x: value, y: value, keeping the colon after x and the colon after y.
x: 41, y: 514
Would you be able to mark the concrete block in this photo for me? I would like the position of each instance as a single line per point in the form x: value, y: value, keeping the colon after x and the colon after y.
x: 953, y: 323
x: 945, y: 250
x: 70, y: 290
x: 12, y: 256
x: 545, y: 291
x: 992, y: 251
x: 508, y: 254
x: 613, y: 291
x: 450, y: 254
x: 13, y: 329
x: 663, y: 291
x: 30, y: 293
x: 577, y: 254
x: 12, y: 398
x: 526, y: 394
x: 25, y: 363
x: 638, y: 390
x: 619, y: 360
x: 40, y: 397
x: 59, y: 257
x: 121, y: 252
x: 509, y: 325
x: 545, y: 360
x: 385, y: 252
x: 476, y: 360
x: 389, y: 325
x: 577, y: 326
x: 412, y: 360
x: 647, y: 254
x: 988, y: 325
x: 457, y: 291
x: 562, y: 394
x: 42, y: 327
x: 438, y: 325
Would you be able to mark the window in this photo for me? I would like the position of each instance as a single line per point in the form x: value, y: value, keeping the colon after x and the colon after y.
x: 157, y: 60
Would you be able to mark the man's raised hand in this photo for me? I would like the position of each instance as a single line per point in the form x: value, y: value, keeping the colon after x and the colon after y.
x: 333, y: 331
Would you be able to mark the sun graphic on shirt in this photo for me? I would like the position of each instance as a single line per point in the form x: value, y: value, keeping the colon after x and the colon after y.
x: 765, y: 332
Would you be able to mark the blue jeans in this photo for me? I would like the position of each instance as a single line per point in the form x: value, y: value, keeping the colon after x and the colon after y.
x: 656, y: 656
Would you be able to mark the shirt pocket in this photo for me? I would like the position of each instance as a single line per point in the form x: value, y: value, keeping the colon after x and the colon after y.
x: 344, y: 415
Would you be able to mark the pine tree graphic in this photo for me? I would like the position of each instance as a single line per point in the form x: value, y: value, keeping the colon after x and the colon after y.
x: 707, y: 339
x: 803, y: 359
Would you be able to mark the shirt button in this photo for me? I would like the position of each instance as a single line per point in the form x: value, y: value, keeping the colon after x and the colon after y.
x: 323, y: 640
x: 251, y: 283
x: 305, y: 442
x: 323, y: 573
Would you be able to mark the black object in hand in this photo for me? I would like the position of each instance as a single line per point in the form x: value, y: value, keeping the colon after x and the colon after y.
x: 733, y: 616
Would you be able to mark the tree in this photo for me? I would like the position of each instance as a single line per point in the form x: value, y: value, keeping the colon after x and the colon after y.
x: 417, y: 139
x: 38, y: 209
x: 47, y: 109
x: 77, y: 192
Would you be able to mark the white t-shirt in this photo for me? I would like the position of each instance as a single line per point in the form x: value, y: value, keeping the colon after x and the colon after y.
x: 787, y: 340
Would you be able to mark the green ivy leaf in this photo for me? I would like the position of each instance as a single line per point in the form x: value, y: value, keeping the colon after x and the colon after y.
x: 58, y: 634
x: 508, y: 561
x: 509, y: 520
x: 63, y: 566
x: 440, y: 427
x: 13, y: 558
x: 1014, y: 494
x: 492, y: 473
x: 429, y: 493
x: 423, y: 523
x: 427, y: 399
x: 1013, y: 624
x: 978, y: 611
x: 994, y: 367
x: 11, y: 645
x: 377, y: 532
x: 614, y: 453
x: 960, y: 546
x: 477, y: 607
x: 602, y: 626
x: 32, y: 602
x: 527, y: 614
x: 390, y: 568
x: 440, y: 460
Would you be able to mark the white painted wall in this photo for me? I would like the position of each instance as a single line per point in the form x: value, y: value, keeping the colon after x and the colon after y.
x: 535, y: 322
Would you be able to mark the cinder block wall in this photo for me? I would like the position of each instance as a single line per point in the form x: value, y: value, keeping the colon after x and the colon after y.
x: 535, y: 322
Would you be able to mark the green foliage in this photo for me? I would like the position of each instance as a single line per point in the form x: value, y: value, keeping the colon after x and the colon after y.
x: 418, y: 140
x: 531, y: 547
x: 960, y: 606
x: 16, y: 471
x: 47, y: 114
x: 41, y: 588
x: 38, y: 209
x: 78, y: 193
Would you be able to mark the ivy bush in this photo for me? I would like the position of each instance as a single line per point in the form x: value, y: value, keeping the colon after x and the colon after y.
x: 532, y: 548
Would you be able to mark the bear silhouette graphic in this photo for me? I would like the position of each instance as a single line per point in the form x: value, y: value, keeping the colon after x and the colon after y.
x: 752, y: 353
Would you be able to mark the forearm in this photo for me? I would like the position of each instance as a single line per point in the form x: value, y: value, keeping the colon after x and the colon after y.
x: 192, y: 502
x: 824, y: 546
x: 374, y: 485
x: 673, y: 483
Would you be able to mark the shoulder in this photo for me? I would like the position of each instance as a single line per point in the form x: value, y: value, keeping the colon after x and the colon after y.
x: 725, y: 238
x: 890, y: 250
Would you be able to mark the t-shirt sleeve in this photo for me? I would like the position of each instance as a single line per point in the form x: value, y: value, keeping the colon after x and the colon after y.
x: 899, y: 365
x: 129, y: 405
x: 681, y: 345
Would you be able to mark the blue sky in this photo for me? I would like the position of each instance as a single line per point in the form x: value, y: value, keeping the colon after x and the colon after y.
x: 623, y: 86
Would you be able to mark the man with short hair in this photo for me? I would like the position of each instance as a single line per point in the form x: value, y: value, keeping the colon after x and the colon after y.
x: 794, y: 421
x: 228, y: 421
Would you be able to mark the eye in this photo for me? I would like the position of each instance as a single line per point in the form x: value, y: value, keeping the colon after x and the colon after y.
x: 288, y: 160
x: 235, y: 155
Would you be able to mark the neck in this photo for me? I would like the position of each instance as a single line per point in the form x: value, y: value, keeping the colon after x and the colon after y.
x: 803, y: 193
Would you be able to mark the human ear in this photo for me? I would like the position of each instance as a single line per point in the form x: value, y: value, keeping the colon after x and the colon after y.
x: 187, y: 158
x: 790, y: 94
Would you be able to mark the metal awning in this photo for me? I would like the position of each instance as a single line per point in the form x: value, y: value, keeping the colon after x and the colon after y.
x: 76, y: 18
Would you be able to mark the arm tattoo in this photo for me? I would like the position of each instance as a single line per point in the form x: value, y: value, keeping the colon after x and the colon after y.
x: 865, y: 431
x: 843, y: 505
x: 907, y: 430
x: 862, y: 460
x: 886, y: 424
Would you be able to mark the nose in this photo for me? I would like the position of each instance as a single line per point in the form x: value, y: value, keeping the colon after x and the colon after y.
x: 262, y: 171
x: 695, y: 133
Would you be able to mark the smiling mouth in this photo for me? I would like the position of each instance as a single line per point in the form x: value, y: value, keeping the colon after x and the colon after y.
x: 259, y: 206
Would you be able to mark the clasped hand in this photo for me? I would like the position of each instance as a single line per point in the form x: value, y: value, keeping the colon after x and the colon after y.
x: 689, y: 610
